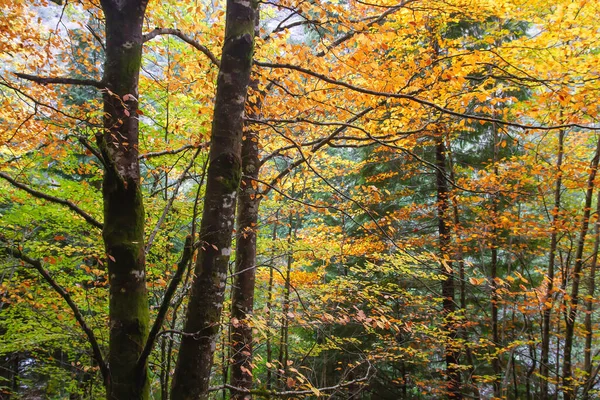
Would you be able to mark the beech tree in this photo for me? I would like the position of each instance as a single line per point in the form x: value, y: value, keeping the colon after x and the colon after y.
x: 192, y: 374
x: 123, y: 226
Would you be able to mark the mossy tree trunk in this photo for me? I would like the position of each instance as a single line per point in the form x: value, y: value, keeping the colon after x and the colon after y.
x: 192, y: 373
x: 123, y: 206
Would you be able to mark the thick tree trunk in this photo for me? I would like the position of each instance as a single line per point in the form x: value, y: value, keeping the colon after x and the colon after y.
x: 123, y: 207
x: 449, y: 306
x: 192, y: 373
x: 544, y: 367
x: 568, y: 381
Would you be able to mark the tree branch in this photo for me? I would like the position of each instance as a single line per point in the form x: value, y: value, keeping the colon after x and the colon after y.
x: 192, y: 42
x: 174, y: 151
x: 169, y: 204
x: 377, y: 20
x: 166, y: 302
x: 62, y: 80
x: 291, y: 393
x: 85, y: 143
x: 342, y: 127
x: 416, y: 99
x: 66, y: 297
x: 91, y: 220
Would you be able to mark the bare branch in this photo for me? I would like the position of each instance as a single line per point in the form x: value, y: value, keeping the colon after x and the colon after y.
x: 53, y: 199
x: 174, y: 151
x: 66, y: 297
x: 62, y: 80
x: 192, y: 42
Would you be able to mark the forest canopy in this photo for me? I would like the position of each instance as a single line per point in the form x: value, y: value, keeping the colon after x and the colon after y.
x: 289, y: 199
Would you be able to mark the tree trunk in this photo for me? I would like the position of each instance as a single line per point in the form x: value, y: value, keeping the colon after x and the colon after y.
x: 568, y: 382
x: 496, y: 366
x: 242, y: 292
x: 192, y: 373
x: 242, y: 303
x: 285, y: 308
x: 269, y: 316
x: 449, y: 307
x: 589, y: 306
x: 123, y: 231
x: 544, y: 367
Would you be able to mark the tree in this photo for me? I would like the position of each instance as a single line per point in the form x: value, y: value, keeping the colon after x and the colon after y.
x: 192, y: 374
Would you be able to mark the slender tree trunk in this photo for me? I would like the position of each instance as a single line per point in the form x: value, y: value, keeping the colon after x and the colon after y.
x: 463, y: 290
x: 245, y: 263
x: 589, y: 306
x: 544, y: 367
x: 285, y: 309
x: 192, y: 373
x: 283, y: 341
x: 123, y: 231
x: 448, y: 304
x: 269, y: 316
x: 496, y: 366
x: 573, y: 304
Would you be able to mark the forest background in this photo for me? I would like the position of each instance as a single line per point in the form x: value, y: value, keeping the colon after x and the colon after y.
x: 415, y: 183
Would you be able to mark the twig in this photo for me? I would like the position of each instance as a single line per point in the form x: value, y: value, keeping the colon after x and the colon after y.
x: 320, y: 144
x: 290, y: 393
x: 170, y: 202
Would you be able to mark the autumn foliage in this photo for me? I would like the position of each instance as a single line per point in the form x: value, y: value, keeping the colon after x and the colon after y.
x: 419, y: 190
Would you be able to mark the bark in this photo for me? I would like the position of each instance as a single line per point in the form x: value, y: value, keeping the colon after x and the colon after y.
x: 123, y: 231
x: 448, y: 304
x: 269, y: 305
x: 573, y: 306
x: 589, y: 306
x: 242, y: 298
x: 285, y: 309
x: 544, y: 359
x: 463, y: 333
x: 496, y: 366
x: 192, y: 372
x: 245, y: 268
